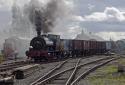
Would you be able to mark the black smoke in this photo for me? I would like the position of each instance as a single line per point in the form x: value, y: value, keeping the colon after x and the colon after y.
x: 44, y: 16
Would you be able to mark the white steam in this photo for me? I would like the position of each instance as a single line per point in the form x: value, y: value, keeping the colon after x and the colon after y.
x: 51, y: 14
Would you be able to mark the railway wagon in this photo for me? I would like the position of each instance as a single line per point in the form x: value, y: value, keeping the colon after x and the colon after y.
x: 97, y: 46
x: 86, y: 46
x: 92, y: 48
x: 77, y: 47
x: 65, y: 48
x: 101, y: 47
x: 71, y: 48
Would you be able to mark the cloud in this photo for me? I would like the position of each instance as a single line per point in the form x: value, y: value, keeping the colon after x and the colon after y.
x: 77, y: 18
x: 109, y: 14
x: 98, y: 16
x: 111, y: 19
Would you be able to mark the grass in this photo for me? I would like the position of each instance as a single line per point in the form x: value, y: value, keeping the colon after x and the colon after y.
x: 107, y: 75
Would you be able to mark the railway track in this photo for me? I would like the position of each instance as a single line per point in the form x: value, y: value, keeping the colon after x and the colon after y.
x: 72, y: 74
x: 63, y: 65
x: 6, y: 69
x: 91, y: 68
x: 6, y: 76
x: 12, y: 65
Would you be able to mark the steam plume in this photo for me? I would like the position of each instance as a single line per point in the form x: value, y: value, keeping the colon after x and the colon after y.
x: 44, y: 17
x: 37, y: 16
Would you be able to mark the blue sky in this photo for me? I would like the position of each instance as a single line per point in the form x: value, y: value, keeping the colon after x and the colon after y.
x: 105, y: 18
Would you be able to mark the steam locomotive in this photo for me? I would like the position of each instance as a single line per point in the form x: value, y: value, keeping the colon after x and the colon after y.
x: 50, y: 47
x: 39, y: 48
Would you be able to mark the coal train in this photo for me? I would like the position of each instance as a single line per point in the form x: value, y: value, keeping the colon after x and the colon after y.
x: 51, y: 47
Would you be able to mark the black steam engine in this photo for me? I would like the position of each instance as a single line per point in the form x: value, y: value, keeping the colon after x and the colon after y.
x: 37, y: 48
x: 49, y: 47
x: 43, y: 47
x: 39, y: 45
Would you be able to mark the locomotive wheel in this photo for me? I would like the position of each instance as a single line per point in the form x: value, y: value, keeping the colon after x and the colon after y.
x: 40, y: 59
x: 44, y: 58
x: 36, y: 60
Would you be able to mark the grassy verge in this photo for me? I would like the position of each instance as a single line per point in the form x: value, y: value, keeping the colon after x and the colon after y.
x: 108, y: 75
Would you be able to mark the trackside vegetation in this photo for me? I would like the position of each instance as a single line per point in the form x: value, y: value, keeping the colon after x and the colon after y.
x: 108, y: 75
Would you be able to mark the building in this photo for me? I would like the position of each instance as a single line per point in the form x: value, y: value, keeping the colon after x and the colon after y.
x: 88, y: 36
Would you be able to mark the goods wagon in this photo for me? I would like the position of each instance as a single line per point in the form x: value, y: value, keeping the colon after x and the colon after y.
x: 92, y: 49
x: 86, y: 47
x: 77, y: 47
x: 65, y: 47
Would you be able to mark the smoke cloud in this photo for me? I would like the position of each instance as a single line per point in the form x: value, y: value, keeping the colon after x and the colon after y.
x: 45, y: 16
x: 20, y: 24
x: 41, y: 16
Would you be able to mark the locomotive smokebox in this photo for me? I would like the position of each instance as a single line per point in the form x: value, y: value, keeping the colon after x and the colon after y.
x: 38, y: 43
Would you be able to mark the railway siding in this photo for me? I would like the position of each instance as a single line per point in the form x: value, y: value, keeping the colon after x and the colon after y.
x: 63, y: 72
x: 107, y: 75
x: 44, y: 68
x: 93, y: 68
x: 60, y: 78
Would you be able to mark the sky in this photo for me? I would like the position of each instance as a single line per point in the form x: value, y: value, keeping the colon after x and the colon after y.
x: 105, y: 18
